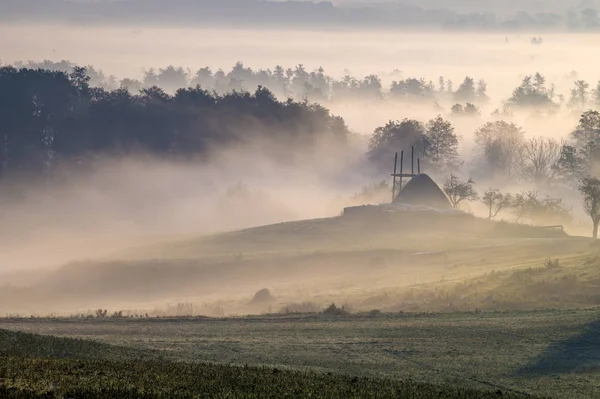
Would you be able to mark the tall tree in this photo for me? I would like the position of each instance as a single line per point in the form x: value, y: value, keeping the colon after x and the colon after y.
x: 569, y: 166
x: 466, y: 92
x: 396, y: 136
x: 499, y: 144
x: 596, y: 97
x: 587, y: 138
x: 441, y: 146
x: 590, y: 189
x: 533, y: 93
x: 579, y: 95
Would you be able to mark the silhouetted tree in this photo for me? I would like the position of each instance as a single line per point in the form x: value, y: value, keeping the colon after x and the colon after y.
x: 569, y: 166
x: 579, y: 95
x: 586, y: 138
x: 533, y: 93
x: 499, y: 144
x: 441, y: 146
x: 596, y: 96
x: 466, y: 92
x: 412, y: 89
x: 528, y: 205
x: 459, y: 191
x: 539, y: 158
x: 495, y: 201
x: 396, y: 136
x: 468, y: 110
x: 590, y: 189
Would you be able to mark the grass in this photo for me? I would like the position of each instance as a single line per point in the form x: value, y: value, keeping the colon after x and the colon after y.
x: 551, y: 353
x: 475, y: 285
x: 80, y: 369
x: 354, y: 275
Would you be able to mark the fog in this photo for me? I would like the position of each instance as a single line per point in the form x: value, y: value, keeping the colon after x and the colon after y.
x: 144, y: 202
x: 126, y: 51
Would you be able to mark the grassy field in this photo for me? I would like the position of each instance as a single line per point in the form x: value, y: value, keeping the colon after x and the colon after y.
x: 550, y: 353
x: 34, y: 366
x: 394, y: 265
x: 443, y: 301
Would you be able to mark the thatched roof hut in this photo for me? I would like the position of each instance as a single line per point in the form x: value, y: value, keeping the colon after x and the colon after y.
x: 422, y: 190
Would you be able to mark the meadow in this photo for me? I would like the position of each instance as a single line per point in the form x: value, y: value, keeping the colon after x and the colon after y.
x: 33, y: 366
x: 550, y: 353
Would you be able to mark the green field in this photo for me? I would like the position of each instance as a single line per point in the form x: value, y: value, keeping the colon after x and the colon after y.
x: 551, y: 353
x: 45, y: 367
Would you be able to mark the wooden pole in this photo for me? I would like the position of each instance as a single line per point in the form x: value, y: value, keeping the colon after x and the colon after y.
x: 412, y: 160
x: 401, y: 168
x: 394, y: 184
x: 418, y: 166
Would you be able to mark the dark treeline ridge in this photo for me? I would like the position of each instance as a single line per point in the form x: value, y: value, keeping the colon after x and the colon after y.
x: 317, y: 86
x: 251, y: 13
x: 53, y: 118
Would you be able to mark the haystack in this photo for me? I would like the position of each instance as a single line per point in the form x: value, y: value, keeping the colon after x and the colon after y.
x: 423, y: 191
x: 262, y: 296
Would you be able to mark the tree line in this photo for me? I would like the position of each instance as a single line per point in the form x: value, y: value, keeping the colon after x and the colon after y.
x: 502, y: 154
x: 529, y: 205
x: 52, y: 118
x: 534, y: 93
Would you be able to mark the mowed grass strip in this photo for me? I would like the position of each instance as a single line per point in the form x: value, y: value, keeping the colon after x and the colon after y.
x: 80, y: 369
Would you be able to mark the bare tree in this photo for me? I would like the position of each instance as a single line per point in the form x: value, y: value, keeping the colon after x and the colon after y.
x: 590, y: 188
x: 539, y: 156
x: 458, y: 191
x: 495, y: 201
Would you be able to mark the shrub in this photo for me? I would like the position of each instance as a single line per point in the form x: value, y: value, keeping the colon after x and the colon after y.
x: 550, y: 263
x: 333, y: 310
x: 305, y: 307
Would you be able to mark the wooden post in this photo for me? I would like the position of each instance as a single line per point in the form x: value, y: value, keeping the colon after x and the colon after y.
x: 412, y: 160
x: 418, y: 166
x: 394, y: 184
x: 401, y: 168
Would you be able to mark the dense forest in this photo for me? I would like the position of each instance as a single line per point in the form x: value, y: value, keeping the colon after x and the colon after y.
x: 51, y: 118
x: 252, y: 13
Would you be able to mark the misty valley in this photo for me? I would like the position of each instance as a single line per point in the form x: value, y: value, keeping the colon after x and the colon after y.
x: 403, y: 207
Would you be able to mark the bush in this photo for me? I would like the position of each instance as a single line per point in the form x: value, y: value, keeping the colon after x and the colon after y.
x: 305, y: 307
x: 333, y: 310
x: 550, y: 263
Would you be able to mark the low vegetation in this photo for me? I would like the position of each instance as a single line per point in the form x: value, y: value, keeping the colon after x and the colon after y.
x: 79, y: 369
x: 531, y: 352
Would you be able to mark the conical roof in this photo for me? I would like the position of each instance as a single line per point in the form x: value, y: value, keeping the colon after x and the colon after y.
x: 422, y: 190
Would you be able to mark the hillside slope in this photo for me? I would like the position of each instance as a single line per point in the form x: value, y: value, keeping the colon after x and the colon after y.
x: 343, y: 259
